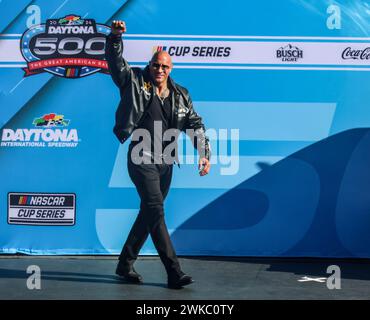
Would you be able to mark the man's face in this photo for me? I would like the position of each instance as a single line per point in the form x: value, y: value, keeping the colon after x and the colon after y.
x: 160, y: 67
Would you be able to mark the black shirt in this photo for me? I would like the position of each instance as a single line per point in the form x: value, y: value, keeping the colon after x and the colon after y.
x: 156, y: 120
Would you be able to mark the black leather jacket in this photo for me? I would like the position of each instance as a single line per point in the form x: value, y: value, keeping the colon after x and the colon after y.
x: 137, y: 90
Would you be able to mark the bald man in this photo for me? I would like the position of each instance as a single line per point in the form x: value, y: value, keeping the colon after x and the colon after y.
x: 151, y: 105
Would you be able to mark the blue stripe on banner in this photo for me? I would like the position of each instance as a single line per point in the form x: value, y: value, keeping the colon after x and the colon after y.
x: 280, y: 65
x: 10, y: 36
x: 268, y: 148
x: 245, y: 147
x: 246, y: 39
x: 271, y: 121
x: 12, y: 62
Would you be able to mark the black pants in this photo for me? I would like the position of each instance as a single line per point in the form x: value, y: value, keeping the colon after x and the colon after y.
x: 152, y: 182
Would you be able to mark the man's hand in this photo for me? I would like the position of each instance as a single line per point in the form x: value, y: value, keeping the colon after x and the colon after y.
x: 204, y: 166
x: 118, y: 27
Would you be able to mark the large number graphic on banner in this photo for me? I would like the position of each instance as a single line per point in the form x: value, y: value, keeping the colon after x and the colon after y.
x: 281, y: 87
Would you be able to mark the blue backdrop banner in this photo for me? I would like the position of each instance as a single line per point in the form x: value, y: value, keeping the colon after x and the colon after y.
x: 282, y: 87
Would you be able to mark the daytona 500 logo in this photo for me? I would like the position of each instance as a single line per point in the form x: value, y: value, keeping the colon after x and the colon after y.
x: 68, y: 47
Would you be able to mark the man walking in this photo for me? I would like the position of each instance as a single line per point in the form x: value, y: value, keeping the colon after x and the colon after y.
x: 152, y: 103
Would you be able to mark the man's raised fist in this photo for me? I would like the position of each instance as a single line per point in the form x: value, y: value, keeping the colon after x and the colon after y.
x: 118, y: 27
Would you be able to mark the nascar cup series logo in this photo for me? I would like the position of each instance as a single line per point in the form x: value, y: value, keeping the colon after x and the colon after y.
x: 49, y: 131
x: 195, y: 51
x: 43, y: 209
x: 68, y: 47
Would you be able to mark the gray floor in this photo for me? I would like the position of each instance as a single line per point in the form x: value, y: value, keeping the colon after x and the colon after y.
x: 216, y: 278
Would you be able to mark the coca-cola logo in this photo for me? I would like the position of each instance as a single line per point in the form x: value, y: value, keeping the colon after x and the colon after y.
x: 356, y: 54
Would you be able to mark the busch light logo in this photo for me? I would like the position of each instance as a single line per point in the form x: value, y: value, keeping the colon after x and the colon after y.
x: 356, y: 54
x: 289, y: 53
x: 68, y: 47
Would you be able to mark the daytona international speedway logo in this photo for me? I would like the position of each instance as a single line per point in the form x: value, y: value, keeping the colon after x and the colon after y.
x: 69, y: 47
x: 49, y: 131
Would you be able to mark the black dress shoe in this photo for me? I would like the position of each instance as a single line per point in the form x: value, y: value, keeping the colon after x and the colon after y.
x: 179, y: 281
x: 128, y: 274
